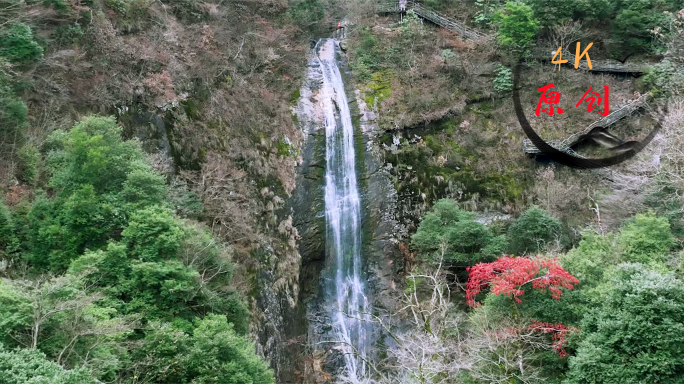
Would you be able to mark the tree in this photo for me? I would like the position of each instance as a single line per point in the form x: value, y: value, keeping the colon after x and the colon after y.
x: 8, y: 239
x: 30, y: 305
x: 153, y: 234
x: 25, y: 366
x: 634, y: 21
x: 533, y: 230
x: 646, y: 239
x: 28, y: 158
x: 517, y: 26
x: 17, y: 44
x: 466, y: 240
x: 100, y: 181
x: 636, y: 335
x: 508, y: 275
x: 93, y: 153
x: 213, y: 353
x: 590, y: 259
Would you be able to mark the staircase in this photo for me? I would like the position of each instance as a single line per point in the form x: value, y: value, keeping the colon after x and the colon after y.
x: 429, y: 14
x: 568, y: 143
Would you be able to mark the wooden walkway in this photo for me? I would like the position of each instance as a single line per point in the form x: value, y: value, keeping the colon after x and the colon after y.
x: 612, y: 66
x: 567, y: 144
x: 429, y: 14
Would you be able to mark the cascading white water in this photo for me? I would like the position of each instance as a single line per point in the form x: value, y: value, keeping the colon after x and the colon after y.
x: 345, y: 287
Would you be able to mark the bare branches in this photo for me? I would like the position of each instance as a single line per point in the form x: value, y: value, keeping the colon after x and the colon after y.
x: 566, y: 33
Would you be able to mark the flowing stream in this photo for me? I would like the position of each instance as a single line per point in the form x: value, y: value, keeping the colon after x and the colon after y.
x: 344, y: 288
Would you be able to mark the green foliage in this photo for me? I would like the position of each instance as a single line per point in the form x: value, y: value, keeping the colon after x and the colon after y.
x: 153, y: 234
x: 101, y: 181
x: 306, y: 13
x: 664, y: 79
x: 25, y: 366
x: 128, y: 259
x: 142, y: 188
x: 94, y: 154
x: 17, y: 44
x: 15, y: 312
x: 411, y: 25
x: 220, y: 356
x: 629, y: 23
x: 13, y: 111
x: 635, y: 336
x: 8, y: 238
x: 591, y: 258
x: 503, y: 82
x: 486, y: 11
x: 161, y: 289
x: 635, y: 19
x: 646, y: 239
x: 285, y: 148
x: 59, y: 230
x: 665, y: 201
x: 533, y: 230
x: 450, y: 230
x: 553, y: 12
x: 518, y: 26
x: 27, y: 168
x: 366, y: 56
x: 212, y: 353
x: 69, y: 33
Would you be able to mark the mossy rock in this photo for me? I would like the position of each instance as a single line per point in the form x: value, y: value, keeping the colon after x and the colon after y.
x: 379, y: 88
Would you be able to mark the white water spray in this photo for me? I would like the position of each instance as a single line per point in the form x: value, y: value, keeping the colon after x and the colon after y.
x: 345, y: 288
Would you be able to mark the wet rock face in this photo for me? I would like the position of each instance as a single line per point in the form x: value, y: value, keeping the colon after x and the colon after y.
x: 308, y: 356
x: 308, y: 211
x: 383, y: 230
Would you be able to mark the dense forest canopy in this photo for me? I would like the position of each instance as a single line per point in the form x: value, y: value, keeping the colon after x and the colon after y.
x: 149, y: 157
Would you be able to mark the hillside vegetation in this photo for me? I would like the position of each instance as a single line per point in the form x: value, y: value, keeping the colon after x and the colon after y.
x: 149, y: 152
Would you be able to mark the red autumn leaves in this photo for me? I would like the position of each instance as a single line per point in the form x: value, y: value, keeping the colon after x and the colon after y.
x: 508, y: 275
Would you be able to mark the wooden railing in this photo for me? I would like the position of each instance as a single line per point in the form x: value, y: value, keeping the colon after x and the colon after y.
x: 566, y: 144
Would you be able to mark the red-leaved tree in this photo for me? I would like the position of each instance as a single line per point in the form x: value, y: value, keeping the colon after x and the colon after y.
x: 509, y: 275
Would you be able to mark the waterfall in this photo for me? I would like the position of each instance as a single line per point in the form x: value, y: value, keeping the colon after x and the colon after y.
x: 344, y: 289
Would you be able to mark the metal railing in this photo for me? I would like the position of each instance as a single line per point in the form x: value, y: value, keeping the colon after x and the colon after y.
x: 566, y: 144
x: 429, y: 14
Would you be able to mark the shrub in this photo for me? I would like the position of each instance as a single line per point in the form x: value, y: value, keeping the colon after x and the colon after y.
x: 463, y: 240
x: 306, y: 13
x: 533, y: 230
x: 69, y: 34
x: 487, y: 9
x: 366, y: 57
x: 212, y: 353
x: 503, y: 82
x: 17, y: 44
x: 664, y: 79
x: 8, y: 240
x: 509, y: 276
x: 27, y: 168
x: 646, y: 239
x: 590, y: 259
x: 517, y: 26
x: 636, y: 335
x: 13, y: 111
x: 30, y: 366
